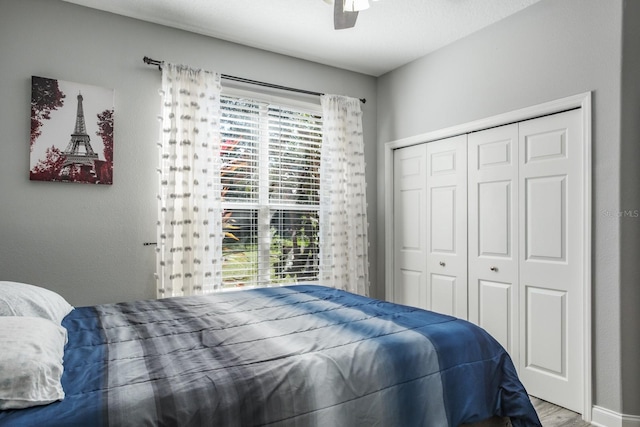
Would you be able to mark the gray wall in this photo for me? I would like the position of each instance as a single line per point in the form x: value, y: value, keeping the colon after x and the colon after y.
x: 548, y: 51
x: 630, y: 203
x: 86, y: 241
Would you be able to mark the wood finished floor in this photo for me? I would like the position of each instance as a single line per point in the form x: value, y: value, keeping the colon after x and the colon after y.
x: 554, y: 416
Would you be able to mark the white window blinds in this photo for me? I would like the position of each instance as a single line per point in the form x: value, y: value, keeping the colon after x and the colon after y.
x: 270, y: 164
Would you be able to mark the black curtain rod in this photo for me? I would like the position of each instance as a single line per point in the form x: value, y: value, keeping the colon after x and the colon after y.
x: 150, y: 61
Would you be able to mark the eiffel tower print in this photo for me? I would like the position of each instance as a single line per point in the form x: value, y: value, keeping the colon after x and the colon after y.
x: 87, y: 155
x: 79, y: 152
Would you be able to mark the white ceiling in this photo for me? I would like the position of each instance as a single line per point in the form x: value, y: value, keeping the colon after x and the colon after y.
x: 389, y: 34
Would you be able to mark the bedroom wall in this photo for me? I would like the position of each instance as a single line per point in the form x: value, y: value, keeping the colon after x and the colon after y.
x: 86, y: 241
x: 550, y: 50
x: 630, y: 206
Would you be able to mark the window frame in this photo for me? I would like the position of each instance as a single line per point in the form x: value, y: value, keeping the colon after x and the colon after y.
x: 262, y: 205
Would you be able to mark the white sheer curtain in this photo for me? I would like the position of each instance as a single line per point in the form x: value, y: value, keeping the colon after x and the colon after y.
x: 189, y: 252
x: 343, y: 206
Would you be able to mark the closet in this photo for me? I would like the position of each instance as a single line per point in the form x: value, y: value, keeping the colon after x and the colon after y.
x: 488, y: 226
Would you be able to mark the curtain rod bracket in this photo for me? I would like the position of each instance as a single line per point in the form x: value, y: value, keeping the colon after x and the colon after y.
x: 150, y: 61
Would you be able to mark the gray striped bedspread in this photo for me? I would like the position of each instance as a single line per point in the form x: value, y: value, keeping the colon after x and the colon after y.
x: 290, y: 356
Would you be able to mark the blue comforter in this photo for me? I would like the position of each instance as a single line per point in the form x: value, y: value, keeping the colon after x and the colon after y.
x: 293, y: 356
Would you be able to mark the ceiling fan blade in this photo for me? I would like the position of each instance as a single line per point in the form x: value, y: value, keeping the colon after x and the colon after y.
x: 342, y: 19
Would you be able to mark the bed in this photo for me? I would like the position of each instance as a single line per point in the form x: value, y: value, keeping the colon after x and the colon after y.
x: 302, y: 355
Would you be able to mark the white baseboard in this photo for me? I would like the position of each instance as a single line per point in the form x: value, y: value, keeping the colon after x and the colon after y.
x: 606, y: 418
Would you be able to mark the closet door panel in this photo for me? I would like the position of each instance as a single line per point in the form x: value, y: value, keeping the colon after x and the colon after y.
x: 496, y: 300
x: 446, y: 260
x: 443, y: 293
x: 410, y: 226
x: 552, y: 258
x: 546, y: 222
x: 493, y: 228
x: 443, y: 220
x: 494, y: 213
x: 546, y: 335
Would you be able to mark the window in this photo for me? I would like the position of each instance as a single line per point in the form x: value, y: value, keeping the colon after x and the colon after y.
x: 270, y: 192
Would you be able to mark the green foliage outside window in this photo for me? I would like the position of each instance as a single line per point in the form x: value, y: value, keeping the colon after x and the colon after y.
x: 269, y: 237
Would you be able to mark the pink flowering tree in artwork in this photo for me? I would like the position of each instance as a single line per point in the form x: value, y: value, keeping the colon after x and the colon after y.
x: 45, y: 97
x: 104, y: 169
x: 48, y: 169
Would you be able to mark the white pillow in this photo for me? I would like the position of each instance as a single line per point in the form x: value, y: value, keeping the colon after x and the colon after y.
x: 20, y: 299
x: 30, y: 361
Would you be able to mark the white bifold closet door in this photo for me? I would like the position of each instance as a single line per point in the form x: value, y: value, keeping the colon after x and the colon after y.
x: 493, y: 234
x: 489, y: 227
x: 410, y: 226
x: 447, y: 226
x: 430, y: 226
x: 526, y: 201
x: 551, y: 220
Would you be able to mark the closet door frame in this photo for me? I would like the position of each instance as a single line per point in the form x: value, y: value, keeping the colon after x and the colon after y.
x: 582, y: 101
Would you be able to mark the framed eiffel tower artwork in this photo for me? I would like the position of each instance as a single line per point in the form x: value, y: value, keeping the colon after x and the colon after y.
x: 71, y: 132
